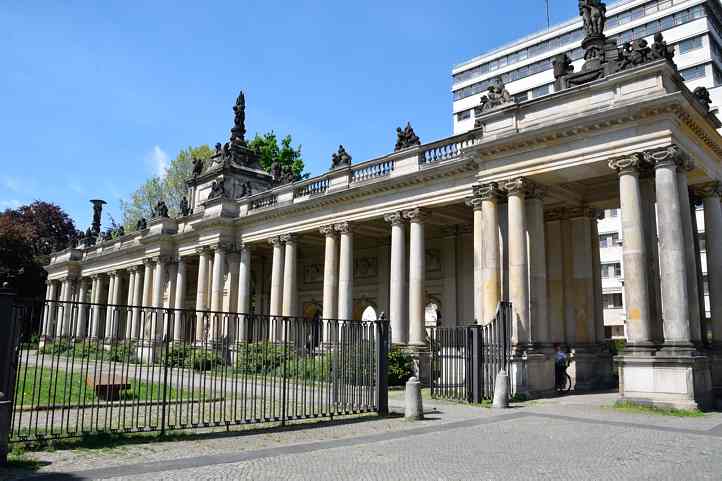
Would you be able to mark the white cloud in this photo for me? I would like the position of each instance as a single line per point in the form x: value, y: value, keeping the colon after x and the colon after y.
x: 158, y: 160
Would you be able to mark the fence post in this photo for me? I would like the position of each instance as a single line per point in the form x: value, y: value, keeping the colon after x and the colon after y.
x: 166, y: 344
x: 382, y: 367
x: 8, y: 345
x: 284, y: 380
x: 475, y: 373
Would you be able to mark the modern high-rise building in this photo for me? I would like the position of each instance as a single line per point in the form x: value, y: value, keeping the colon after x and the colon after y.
x: 693, y: 27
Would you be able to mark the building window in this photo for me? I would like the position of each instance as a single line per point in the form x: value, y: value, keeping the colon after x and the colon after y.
x: 609, y: 240
x: 612, y: 301
x: 611, y: 270
x: 521, y: 97
x: 701, y: 242
x: 692, y: 73
x: 463, y: 115
x: 690, y: 44
x: 539, y: 91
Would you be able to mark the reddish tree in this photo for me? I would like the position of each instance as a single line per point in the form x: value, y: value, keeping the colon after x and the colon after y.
x: 28, y: 235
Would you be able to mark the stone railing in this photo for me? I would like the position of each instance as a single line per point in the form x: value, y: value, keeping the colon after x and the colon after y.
x: 447, y: 149
x: 263, y: 202
x: 380, y: 168
x: 314, y: 187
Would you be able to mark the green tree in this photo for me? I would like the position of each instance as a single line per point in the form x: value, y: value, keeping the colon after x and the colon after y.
x: 270, y: 151
x: 171, y: 188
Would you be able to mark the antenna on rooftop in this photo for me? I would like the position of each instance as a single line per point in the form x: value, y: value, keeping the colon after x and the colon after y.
x: 548, y: 22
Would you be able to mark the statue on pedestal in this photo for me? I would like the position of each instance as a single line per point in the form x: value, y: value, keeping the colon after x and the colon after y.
x: 142, y: 224
x: 594, y: 15
x: 198, y: 165
x: 185, y: 208
x: 406, y: 138
x: 496, y: 95
x: 340, y: 158
x: 218, y: 189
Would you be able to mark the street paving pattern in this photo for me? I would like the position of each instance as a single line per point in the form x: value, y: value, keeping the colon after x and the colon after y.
x: 539, y: 441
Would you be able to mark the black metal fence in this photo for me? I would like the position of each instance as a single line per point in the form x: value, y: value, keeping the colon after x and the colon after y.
x: 465, y: 360
x: 96, y: 368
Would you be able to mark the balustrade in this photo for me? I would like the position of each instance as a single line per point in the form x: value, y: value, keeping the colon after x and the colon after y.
x: 378, y: 169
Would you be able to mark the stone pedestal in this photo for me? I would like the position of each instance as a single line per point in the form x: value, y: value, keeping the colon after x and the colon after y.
x: 671, y: 378
x: 583, y: 368
x: 714, y: 355
x: 540, y: 373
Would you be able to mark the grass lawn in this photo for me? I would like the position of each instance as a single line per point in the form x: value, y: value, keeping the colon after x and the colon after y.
x: 630, y: 407
x: 43, y: 386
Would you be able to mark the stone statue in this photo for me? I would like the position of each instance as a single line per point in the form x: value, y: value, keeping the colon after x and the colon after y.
x: 218, y: 189
x: 276, y: 171
x: 288, y: 175
x: 185, y: 208
x: 227, y: 150
x: 406, y: 138
x: 161, y: 209
x: 120, y: 231
x: 218, y: 147
x: 238, y: 132
x: 197, y: 166
x: 142, y: 224
x: 340, y: 158
x: 594, y: 15
x: 496, y: 95
x: 562, y: 65
x: 638, y: 52
x: 702, y: 94
x: 660, y: 50
x: 245, y: 190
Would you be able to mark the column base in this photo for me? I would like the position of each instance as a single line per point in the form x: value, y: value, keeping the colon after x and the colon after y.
x: 675, y: 377
x: 539, y: 372
x: 590, y: 369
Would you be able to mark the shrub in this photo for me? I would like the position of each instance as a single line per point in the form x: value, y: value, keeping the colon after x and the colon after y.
x: 202, y: 360
x: 260, y: 357
x: 179, y: 356
x: 56, y: 347
x: 401, y: 367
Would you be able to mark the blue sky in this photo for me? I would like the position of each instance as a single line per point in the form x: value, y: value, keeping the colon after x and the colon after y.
x: 97, y: 96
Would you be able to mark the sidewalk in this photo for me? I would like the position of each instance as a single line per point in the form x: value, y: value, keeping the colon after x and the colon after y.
x: 574, y: 437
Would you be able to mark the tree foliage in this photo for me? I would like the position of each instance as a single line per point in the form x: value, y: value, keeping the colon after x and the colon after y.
x: 28, y: 235
x: 270, y: 151
x: 171, y: 188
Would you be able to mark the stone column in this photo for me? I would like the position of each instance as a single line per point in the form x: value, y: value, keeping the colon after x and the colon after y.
x: 478, y: 253
x: 449, y: 259
x: 710, y: 194
x: 158, y: 324
x: 146, y: 314
x: 289, y: 307
x: 81, y: 327
x: 417, y: 276
x: 138, y: 290
x: 555, y: 273
x: 518, y: 262
x: 330, y: 272
x: 217, y: 288
x: 635, y: 254
x: 649, y: 218
x: 180, y: 315
x: 690, y: 240
x: 538, y: 307
x: 52, y: 292
x: 111, y: 312
x: 202, y: 293
x: 397, y: 280
x: 345, y: 272
x: 244, y: 291
x: 95, y: 314
x: 582, y: 295
x: 276, y: 305
x: 69, y: 310
x: 490, y: 194
x: 672, y: 252
x: 597, y: 278
x: 129, y: 311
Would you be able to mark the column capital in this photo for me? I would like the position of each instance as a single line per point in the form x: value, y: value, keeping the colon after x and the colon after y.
x: 162, y: 259
x: 524, y: 187
x: 584, y: 211
x: 327, y: 230
x: 344, y: 227
x: 394, y: 218
x: 276, y: 241
x: 203, y: 250
x: 133, y: 268
x: 418, y: 215
x: 225, y: 247
x: 708, y: 189
x: 289, y: 238
x: 488, y: 191
x: 629, y: 164
x: 666, y: 157
x: 557, y: 213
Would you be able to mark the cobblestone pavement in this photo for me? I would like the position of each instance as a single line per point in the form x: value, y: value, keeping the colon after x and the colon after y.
x: 578, y: 437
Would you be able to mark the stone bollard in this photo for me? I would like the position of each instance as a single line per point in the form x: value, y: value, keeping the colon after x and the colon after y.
x: 501, y: 391
x: 414, y: 408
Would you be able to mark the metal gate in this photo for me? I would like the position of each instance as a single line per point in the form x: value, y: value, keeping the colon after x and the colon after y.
x: 119, y: 369
x: 465, y: 360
